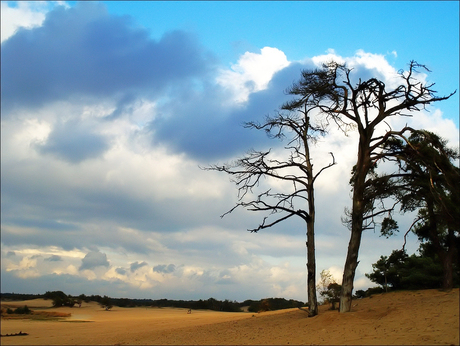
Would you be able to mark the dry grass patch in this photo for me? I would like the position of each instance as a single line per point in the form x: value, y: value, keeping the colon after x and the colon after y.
x: 34, y: 315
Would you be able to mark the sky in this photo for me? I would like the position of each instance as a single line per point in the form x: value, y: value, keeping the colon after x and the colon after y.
x: 109, y: 110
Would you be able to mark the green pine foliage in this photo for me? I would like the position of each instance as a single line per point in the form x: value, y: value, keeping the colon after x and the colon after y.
x: 60, y: 298
x: 402, y: 272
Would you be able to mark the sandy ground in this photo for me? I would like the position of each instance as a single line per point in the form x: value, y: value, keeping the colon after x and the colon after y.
x: 427, y: 317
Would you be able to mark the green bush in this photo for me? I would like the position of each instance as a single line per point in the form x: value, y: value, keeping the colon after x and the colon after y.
x: 402, y: 272
x: 106, y: 303
x: 22, y: 310
x: 229, y: 306
x: 374, y: 290
x: 271, y: 304
x: 360, y: 294
x: 60, y: 299
x: 254, y: 307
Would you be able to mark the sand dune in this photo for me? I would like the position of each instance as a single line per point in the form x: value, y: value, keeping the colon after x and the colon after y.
x: 415, y: 317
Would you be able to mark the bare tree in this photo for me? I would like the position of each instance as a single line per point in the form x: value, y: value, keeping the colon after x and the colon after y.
x: 364, y: 105
x: 294, y: 122
x: 328, y: 288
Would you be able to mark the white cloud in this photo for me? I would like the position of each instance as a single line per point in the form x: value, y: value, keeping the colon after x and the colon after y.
x: 88, y: 274
x: 142, y: 204
x: 141, y: 201
x: 432, y: 120
x: 26, y: 14
x: 363, y: 283
x: 253, y: 72
x: 376, y: 62
x: 330, y: 55
x: 336, y: 273
x: 70, y: 269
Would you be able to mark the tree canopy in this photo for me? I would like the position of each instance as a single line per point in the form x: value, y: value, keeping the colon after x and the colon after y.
x: 400, y: 271
x: 427, y: 180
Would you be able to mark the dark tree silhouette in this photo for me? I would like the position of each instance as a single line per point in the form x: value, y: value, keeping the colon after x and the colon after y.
x: 106, y: 303
x: 387, y: 270
x: 427, y: 180
x: 364, y: 106
x: 402, y: 272
x: 293, y: 121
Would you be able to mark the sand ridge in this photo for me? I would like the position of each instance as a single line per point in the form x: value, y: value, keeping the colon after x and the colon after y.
x: 427, y: 317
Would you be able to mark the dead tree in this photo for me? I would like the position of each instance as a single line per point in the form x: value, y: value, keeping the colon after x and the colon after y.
x: 293, y: 122
x: 364, y: 106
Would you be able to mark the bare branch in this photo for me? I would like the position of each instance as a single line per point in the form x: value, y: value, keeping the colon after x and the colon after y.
x: 410, y: 228
x: 325, y: 167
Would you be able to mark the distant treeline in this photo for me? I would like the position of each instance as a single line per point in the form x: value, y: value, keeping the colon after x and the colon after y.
x: 19, y: 296
x: 59, y: 298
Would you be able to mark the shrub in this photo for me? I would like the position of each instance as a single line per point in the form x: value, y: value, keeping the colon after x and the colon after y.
x: 60, y: 299
x: 374, y: 290
x: 254, y: 307
x: 360, y: 294
x: 272, y: 304
x: 264, y: 305
x: 229, y: 306
x: 22, y: 310
x: 106, y: 303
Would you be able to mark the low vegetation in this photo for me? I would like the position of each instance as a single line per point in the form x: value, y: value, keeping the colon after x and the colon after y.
x: 399, y: 271
x: 59, y: 299
x: 24, y: 312
x: 272, y: 304
x: 20, y: 310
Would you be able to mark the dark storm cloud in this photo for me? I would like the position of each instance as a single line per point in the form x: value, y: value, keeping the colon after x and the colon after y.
x: 202, y: 127
x: 53, y: 258
x: 73, y: 142
x: 84, y: 51
x: 124, y: 105
x: 69, y: 284
x: 42, y: 237
x: 121, y: 271
x: 164, y: 268
x: 52, y: 212
x: 36, y: 223
x: 136, y: 265
x: 94, y: 259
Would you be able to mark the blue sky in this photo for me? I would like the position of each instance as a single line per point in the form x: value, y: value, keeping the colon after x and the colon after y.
x: 425, y: 31
x: 109, y: 109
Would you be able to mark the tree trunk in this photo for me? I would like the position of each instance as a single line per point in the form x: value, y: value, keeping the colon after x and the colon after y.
x: 311, y: 271
x: 447, y: 262
x: 386, y: 281
x: 445, y: 256
x: 357, y: 217
x: 333, y: 304
x: 311, y: 256
x: 447, y: 275
x: 349, y: 271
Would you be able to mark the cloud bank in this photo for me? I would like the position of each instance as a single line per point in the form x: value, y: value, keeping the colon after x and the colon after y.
x: 103, y: 133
